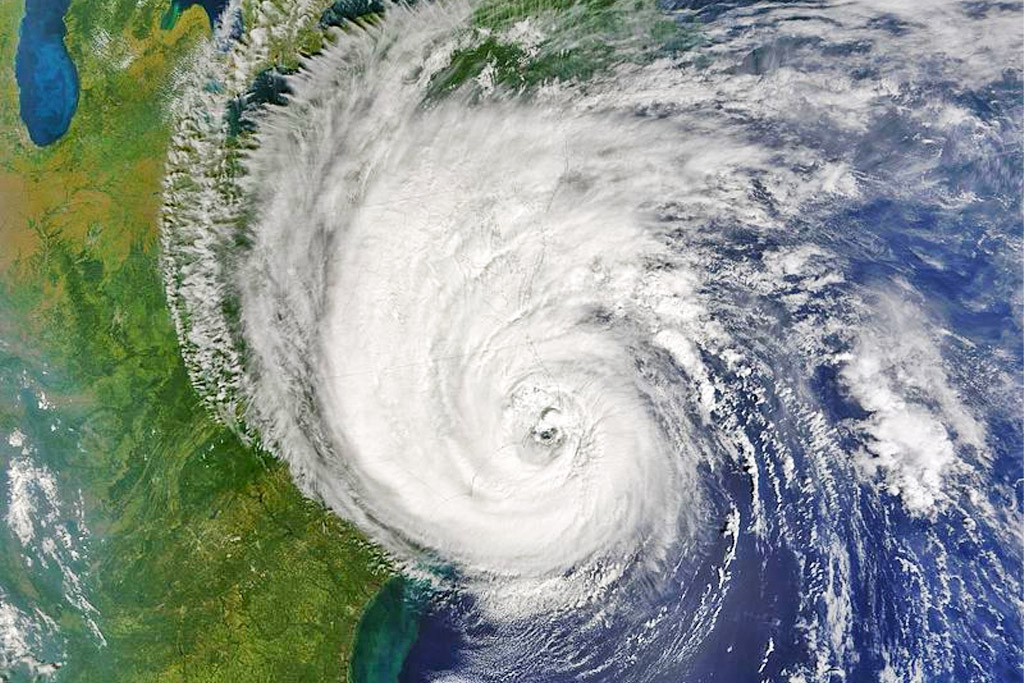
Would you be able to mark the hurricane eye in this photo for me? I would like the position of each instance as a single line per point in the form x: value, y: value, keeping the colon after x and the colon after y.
x: 547, y: 431
x: 546, y: 436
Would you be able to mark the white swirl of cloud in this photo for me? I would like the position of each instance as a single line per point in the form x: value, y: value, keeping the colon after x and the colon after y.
x: 462, y: 296
x: 488, y: 403
x: 559, y: 342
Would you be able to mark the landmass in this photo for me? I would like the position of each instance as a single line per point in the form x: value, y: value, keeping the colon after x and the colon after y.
x: 207, y: 564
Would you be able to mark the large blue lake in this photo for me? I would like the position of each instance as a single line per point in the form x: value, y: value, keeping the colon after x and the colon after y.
x: 47, y: 78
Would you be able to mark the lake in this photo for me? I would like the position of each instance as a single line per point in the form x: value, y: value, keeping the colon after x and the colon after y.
x: 47, y: 78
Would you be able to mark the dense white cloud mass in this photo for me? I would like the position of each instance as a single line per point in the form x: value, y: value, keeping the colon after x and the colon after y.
x: 487, y: 282
x: 588, y: 355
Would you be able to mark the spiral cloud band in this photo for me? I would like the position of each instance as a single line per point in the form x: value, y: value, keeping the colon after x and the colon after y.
x: 477, y: 345
x: 481, y: 297
x: 619, y: 362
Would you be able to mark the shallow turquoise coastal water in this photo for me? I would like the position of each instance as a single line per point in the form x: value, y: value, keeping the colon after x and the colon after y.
x: 387, y: 632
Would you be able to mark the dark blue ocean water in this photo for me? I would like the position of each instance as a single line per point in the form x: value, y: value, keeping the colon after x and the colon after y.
x: 885, y: 241
x: 47, y: 78
x: 829, y: 574
x: 960, y: 263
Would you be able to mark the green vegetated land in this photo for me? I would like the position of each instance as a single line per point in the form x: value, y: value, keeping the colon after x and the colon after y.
x: 575, y: 41
x: 206, y: 563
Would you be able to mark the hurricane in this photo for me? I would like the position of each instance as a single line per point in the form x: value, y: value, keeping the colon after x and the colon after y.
x: 664, y: 342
